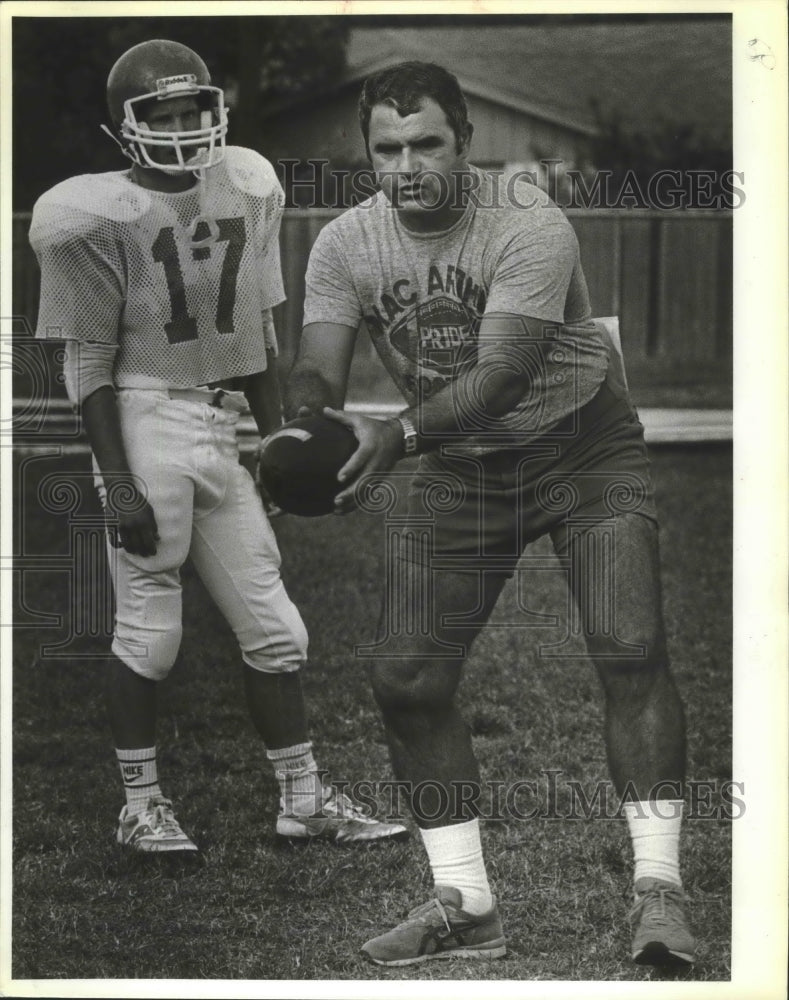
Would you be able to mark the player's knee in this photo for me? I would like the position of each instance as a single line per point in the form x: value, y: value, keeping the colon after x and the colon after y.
x: 149, y: 653
x: 282, y: 650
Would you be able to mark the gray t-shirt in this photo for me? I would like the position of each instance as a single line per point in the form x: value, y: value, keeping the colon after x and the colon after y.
x: 422, y: 296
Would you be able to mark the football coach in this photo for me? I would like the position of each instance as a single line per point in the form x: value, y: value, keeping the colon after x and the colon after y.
x: 473, y: 293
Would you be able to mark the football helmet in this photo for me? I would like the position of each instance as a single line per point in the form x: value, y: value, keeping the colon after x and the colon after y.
x: 159, y: 70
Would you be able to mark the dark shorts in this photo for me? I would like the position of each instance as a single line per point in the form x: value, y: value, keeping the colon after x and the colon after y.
x: 480, y: 512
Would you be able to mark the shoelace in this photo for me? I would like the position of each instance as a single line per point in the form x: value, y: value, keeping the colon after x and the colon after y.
x: 421, y: 913
x: 164, y: 817
x: 651, y: 905
x: 341, y: 805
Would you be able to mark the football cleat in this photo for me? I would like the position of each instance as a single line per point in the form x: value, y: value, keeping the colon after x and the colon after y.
x: 661, y: 933
x: 339, y: 821
x: 440, y: 928
x: 153, y: 830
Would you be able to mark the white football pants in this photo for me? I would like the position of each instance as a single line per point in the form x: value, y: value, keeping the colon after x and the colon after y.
x: 186, y: 458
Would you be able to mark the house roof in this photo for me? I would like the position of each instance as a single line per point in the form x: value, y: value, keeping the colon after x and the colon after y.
x: 647, y: 71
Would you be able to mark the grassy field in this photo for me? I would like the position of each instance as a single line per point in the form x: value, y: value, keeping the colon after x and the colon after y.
x: 256, y: 911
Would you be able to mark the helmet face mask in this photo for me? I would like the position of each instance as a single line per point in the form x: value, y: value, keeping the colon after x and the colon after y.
x: 158, y: 72
x: 193, y: 150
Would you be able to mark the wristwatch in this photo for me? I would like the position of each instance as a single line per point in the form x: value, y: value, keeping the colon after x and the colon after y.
x: 409, y: 434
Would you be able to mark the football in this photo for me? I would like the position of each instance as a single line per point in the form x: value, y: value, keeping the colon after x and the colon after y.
x: 298, y: 464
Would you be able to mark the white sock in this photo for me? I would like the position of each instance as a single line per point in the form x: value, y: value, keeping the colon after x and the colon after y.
x: 654, y: 831
x: 455, y: 855
x: 140, y: 776
x: 301, y: 788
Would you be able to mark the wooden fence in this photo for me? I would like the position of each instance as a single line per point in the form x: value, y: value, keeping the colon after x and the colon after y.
x: 668, y: 276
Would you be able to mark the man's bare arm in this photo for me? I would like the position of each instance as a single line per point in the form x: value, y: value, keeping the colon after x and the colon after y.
x: 319, y: 376
x: 501, y: 378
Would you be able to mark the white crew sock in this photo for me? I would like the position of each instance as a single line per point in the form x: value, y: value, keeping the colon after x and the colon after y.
x: 654, y: 831
x: 455, y: 855
x: 301, y: 788
x: 140, y: 776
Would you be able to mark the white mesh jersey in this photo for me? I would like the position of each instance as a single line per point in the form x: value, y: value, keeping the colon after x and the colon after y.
x: 179, y: 281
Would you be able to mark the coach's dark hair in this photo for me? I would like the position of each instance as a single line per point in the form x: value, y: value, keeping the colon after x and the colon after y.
x: 405, y: 86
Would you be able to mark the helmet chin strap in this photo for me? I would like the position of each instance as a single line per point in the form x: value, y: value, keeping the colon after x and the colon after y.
x: 124, y: 149
x: 115, y: 139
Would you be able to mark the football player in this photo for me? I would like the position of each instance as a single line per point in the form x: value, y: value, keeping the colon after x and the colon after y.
x: 473, y: 293
x: 161, y: 280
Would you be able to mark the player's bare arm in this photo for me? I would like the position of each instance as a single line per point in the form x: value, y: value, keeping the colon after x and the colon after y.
x: 319, y: 376
x: 136, y: 523
x: 263, y: 395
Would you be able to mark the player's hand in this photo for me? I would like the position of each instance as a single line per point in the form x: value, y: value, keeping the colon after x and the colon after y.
x: 132, y: 524
x: 380, y: 447
x: 271, y: 509
x: 302, y: 411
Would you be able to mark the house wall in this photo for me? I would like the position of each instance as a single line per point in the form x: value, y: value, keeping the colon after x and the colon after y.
x: 503, y: 135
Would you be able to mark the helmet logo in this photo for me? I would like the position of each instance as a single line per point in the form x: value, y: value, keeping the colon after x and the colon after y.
x: 168, y: 86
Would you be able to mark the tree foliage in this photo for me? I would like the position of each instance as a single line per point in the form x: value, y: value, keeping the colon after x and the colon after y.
x: 640, y: 155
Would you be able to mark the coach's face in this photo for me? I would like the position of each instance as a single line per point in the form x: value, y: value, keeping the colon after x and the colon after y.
x: 418, y: 161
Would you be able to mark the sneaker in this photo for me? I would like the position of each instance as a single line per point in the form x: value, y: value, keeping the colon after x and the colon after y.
x: 661, y: 933
x: 154, y: 829
x: 339, y: 821
x: 440, y: 928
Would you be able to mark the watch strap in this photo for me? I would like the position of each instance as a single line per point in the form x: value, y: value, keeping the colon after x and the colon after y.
x: 409, y: 434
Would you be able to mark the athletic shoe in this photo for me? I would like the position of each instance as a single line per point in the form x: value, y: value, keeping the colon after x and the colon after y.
x: 661, y: 933
x: 440, y: 929
x: 339, y: 821
x: 153, y: 830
